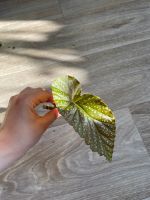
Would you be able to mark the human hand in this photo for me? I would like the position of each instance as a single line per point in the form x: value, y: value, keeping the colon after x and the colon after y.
x: 22, y: 126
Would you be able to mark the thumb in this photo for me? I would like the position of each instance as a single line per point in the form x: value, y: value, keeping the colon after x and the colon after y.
x: 49, y: 117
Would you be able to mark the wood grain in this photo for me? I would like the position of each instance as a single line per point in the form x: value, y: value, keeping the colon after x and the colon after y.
x: 106, y: 45
x: 62, y: 167
x: 141, y: 116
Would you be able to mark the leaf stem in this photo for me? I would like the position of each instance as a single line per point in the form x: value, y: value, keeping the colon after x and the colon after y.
x: 49, y: 106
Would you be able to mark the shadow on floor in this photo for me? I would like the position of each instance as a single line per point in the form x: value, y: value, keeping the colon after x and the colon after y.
x: 46, y: 44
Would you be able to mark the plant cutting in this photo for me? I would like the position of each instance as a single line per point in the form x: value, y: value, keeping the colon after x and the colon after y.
x: 90, y: 117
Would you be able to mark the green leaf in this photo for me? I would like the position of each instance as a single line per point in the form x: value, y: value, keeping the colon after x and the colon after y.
x: 88, y: 115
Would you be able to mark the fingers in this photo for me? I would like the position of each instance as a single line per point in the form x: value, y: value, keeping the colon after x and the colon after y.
x: 36, y: 96
x: 41, y: 96
x: 49, y: 118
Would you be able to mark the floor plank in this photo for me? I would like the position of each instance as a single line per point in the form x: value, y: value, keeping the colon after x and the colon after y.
x: 62, y: 167
x: 86, y: 9
x: 141, y: 116
x: 29, y: 10
x: 106, y: 45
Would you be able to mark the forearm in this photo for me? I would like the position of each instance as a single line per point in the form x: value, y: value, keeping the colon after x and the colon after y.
x: 9, y: 153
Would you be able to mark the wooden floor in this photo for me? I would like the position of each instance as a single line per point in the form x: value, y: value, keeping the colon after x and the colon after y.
x: 106, y: 45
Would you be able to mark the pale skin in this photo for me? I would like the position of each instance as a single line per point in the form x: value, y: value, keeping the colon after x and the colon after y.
x: 22, y: 126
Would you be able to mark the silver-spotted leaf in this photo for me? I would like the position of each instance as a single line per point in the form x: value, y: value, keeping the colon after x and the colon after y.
x: 88, y: 115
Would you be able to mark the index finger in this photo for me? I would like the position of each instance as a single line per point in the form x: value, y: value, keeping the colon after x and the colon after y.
x: 41, y: 96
